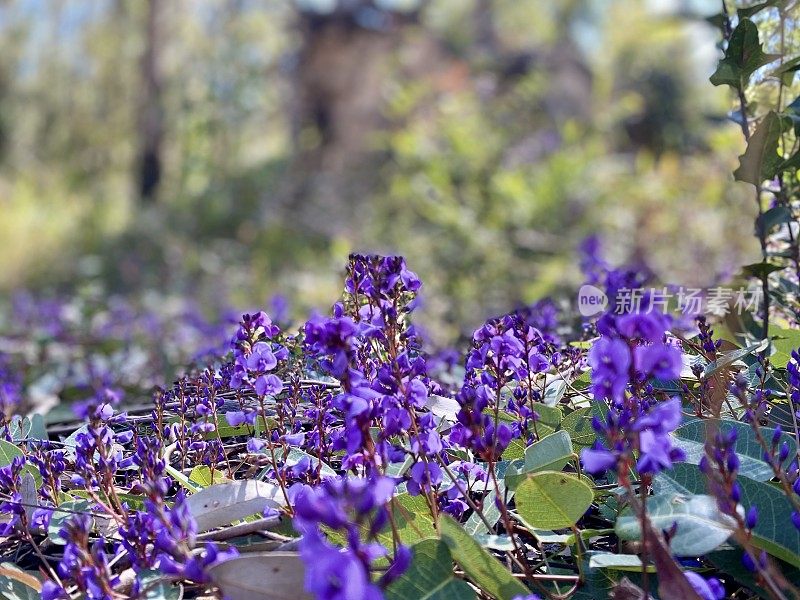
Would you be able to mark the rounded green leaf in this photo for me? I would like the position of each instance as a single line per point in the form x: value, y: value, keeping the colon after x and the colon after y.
x: 773, y: 532
x: 551, y: 500
x: 483, y: 569
x: 550, y: 453
x: 701, y: 527
x: 578, y: 424
x: 8, y: 452
x: 430, y: 576
x: 691, y: 438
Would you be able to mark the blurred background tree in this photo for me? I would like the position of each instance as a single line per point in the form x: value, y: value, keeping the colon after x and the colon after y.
x: 230, y: 149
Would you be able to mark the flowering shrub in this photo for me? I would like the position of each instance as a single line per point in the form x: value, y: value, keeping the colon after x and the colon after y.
x: 637, y: 455
x: 344, y: 460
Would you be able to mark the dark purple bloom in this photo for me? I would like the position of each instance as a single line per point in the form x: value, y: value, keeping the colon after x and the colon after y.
x: 268, y: 385
x: 707, y: 589
x: 659, y: 360
x: 597, y: 459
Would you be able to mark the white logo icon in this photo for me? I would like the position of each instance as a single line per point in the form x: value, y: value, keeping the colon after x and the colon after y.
x: 591, y: 300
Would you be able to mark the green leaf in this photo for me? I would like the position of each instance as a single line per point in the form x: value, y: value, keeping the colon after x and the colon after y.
x: 793, y: 162
x: 412, y: 519
x: 491, y: 513
x: 554, y: 392
x: 548, y: 415
x: 182, y: 479
x: 761, y: 160
x: 29, y: 428
x: 773, y: 533
x: 202, y: 476
x: 483, y: 569
x: 578, y: 424
x: 583, y: 381
x: 701, y: 526
x: 515, y: 450
x: 777, y: 215
x: 787, y: 340
x: 618, y: 562
x: 690, y: 437
x: 760, y: 269
x: 8, y: 452
x: 550, y: 453
x: 790, y: 66
x: 157, y: 586
x: 72, y: 439
x: 59, y: 517
x: 732, y: 357
x: 16, y: 584
x: 567, y: 539
x: 398, y: 469
x: 549, y: 418
x: 495, y: 542
x: 742, y: 57
x: 551, y: 500
x: 430, y: 576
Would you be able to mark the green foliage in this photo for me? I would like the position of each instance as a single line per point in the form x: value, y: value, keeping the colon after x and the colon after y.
x: 578, y: 424
x: 430, y: 576
x: 771, y: 533
x: 761, y: 160
x: 784, y: 342
x: 552, y: 500
x: 550, y: 453
x: 691, y: 438
x: 701, y: 528
x: 481, y: 567
x: 743, y: 56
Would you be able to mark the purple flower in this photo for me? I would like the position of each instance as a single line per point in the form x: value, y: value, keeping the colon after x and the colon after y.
x: 665, y: 417
x: 268, y: 385
x: 261, y: 358
x: 659, y: 360
x: 424, y: 476
x: 53, y: 591
x: 752, y: 517
x: 707, y: 589
x: 657, y: 452
x: 235, y: 418
x: 610, y: 360
x: 597, y: 459
x: 350, y: 505
x: 647, y: 327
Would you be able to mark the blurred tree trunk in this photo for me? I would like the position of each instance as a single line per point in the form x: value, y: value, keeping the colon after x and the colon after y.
x: 151, y: 112
x: 337, y: 105
x: 347, y: 62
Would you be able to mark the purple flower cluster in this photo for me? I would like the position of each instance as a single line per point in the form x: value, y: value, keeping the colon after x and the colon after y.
x: 506, y: 351
x: 348, y: 418
x: 632, y: 351
x: 10, y: 391
x: 85, y: 563
x: 10, y: 484
x: 356, y: 509
x: 256, y: 355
